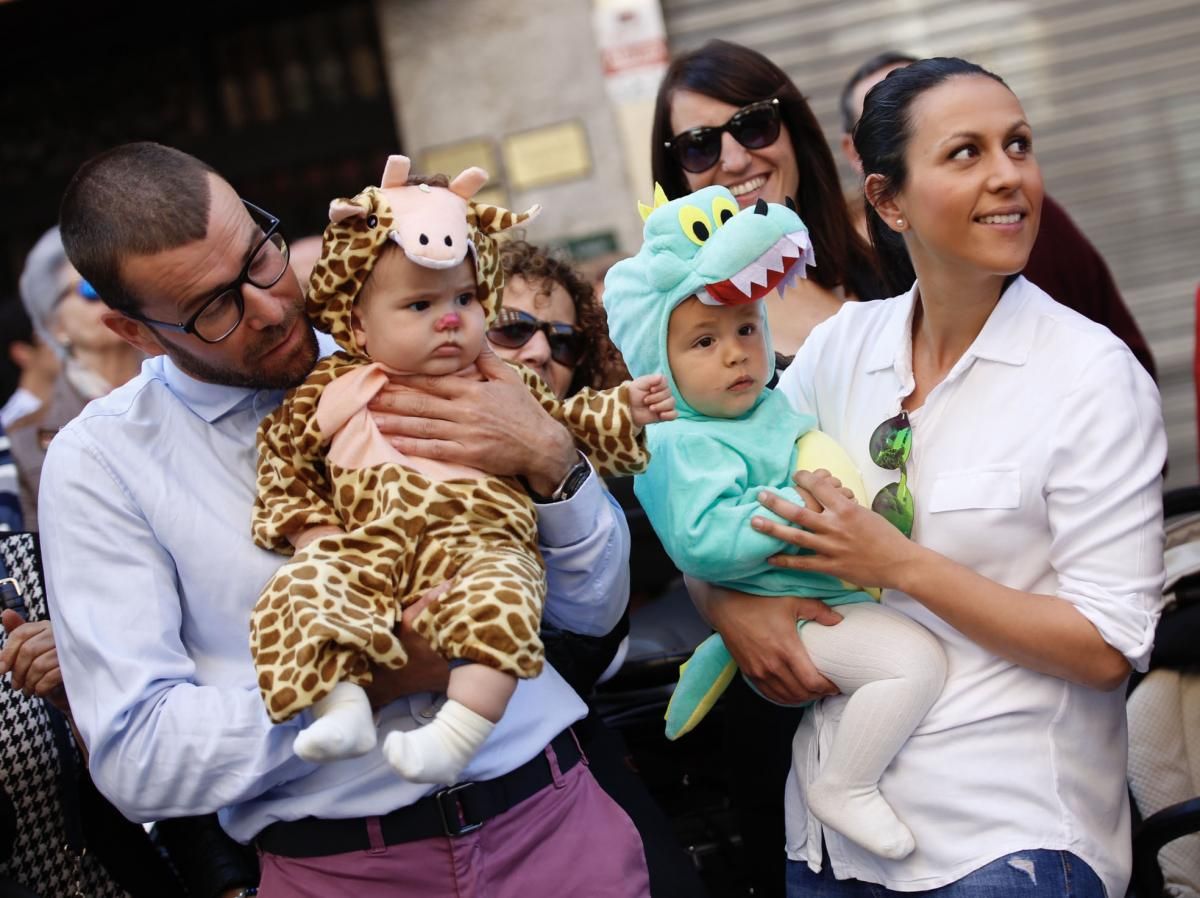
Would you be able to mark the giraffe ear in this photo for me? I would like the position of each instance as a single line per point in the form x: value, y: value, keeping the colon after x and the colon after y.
x: 467, y: 183
x: 395, y: 173
x: 341, y: 209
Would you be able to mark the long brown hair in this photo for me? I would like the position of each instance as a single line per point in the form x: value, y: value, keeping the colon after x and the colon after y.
x: 737, y: 75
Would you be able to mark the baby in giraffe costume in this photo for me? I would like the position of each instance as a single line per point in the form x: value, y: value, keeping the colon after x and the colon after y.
x: 408, y: 280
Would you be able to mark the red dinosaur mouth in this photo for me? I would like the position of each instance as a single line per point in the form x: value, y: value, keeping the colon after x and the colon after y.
x: 727, y: 293
x: 774, y: 269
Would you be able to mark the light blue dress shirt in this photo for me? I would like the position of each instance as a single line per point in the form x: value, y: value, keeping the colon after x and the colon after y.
x: 145, y: 513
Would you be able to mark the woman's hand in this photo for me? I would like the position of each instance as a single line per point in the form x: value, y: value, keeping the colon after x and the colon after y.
x: 494, y: 424
x: 33, y: 659
x: 847, y: 540
x: 760, y: 633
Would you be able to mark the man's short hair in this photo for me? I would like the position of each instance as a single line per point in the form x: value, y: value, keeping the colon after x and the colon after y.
x: 874, y: 64
x: 135, y: 199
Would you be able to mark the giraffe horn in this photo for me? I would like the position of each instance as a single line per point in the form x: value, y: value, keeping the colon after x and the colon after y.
x: 491, y: 219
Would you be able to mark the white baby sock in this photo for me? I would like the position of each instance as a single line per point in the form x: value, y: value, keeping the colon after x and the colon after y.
x: 861, y: 815
x: 439, y: 751
x: 344, y: 727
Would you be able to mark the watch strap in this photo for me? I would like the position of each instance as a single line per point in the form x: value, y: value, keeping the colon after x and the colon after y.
x: 567, y: 487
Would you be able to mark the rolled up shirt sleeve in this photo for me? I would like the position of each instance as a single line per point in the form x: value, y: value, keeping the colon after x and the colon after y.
x: 1104, y: 501
x: 585, y: 544
x: 161, y: 744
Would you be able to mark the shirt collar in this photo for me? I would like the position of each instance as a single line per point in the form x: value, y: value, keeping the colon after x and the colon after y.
x: 1007, y: 336
x: 209, y: 401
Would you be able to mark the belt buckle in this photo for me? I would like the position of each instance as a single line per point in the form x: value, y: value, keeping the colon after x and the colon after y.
x: 452, y: 810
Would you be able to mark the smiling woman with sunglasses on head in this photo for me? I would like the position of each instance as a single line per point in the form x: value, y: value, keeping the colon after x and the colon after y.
x: 727, y: 115
x: 1029, y: 445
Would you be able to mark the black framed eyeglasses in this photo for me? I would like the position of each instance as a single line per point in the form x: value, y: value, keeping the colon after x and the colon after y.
x: 754, y: 127
x: 220, y: 314
x: 891, y: 445
x: 513, y: 329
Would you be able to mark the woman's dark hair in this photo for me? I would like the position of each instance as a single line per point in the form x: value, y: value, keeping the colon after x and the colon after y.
x: 601, y: 366
x: 881, y: 138
x: 737, y: 75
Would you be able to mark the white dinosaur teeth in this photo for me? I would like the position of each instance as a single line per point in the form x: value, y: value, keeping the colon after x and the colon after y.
x: 741, y: 280
x: 773, y: 258
x: 802, y: 242
x: 758, y: 274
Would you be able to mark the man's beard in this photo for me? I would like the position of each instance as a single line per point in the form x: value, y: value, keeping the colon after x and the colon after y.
x: 288, y: 372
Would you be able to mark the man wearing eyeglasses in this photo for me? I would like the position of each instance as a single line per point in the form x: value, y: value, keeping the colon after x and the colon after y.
x: 152, y: 573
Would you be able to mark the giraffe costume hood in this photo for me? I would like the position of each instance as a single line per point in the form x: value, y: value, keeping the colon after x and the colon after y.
x: 435, y: 226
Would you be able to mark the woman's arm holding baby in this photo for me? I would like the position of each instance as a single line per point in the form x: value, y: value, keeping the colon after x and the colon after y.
x: 760, y: 633
x: 1042, y: 632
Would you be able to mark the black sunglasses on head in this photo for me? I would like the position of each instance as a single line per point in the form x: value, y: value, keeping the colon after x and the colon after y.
x: 513, y: 329
x: 754, y: 127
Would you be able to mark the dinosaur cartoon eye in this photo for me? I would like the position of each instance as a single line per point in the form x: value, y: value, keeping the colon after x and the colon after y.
x: 695, y: 224
x: 723, y: 209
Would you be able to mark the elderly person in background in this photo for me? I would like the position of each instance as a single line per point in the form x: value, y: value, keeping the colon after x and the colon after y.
x: 28, y: 367
x: 66, y: 315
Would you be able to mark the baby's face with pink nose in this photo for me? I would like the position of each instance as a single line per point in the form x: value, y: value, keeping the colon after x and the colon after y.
x: 419, y: 320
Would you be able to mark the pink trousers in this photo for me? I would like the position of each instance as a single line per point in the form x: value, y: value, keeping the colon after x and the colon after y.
x: 570, y: 839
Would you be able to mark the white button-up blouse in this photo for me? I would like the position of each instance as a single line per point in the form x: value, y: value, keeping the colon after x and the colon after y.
x: 1037, y: 463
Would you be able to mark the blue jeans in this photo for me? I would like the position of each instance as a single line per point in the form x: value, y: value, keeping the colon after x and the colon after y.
x: 1022, y: 874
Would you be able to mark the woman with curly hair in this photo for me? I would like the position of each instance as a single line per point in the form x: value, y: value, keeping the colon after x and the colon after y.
x: 553, y: 322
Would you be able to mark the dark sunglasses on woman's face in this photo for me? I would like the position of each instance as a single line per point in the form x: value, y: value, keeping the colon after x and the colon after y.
x: 513, y: 329
x: 754, y: 127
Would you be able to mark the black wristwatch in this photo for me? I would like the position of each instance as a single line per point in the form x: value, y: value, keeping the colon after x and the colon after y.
x: 567, y: 487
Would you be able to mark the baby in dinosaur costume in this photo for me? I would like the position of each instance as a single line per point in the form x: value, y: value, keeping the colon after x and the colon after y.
x: 690, y: 305
x: 408, y: 279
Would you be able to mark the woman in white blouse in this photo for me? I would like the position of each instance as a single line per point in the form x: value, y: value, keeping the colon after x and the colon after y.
x: 1033, y: 482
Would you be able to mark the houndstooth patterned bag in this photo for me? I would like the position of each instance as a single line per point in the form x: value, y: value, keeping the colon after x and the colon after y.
x: 41, y: 860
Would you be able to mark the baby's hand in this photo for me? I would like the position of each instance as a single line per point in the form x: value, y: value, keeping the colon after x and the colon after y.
x: 650, y: 400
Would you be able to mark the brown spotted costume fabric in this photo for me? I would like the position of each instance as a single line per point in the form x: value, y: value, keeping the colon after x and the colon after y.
x: 330, y: 611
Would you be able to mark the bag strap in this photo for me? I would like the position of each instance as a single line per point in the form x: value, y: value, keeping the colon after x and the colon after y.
x: 11, y: 593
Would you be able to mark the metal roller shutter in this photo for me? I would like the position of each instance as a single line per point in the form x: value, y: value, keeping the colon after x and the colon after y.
x: 1112, y: 89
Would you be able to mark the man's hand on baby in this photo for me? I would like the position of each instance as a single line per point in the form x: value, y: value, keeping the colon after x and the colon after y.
x: 494, y: 424
x: 651, y: 400
x: 425, y: 670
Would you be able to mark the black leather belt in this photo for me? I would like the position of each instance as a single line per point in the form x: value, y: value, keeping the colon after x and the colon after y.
x: 452, y: 812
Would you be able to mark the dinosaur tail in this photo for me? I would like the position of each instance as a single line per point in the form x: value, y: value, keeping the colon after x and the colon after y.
x: 702, y: 679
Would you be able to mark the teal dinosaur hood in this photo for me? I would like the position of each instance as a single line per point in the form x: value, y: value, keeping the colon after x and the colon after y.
x: 700, y: 245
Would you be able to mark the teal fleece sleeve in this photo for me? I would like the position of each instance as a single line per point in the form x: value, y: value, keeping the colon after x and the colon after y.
x: 699, y: 499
